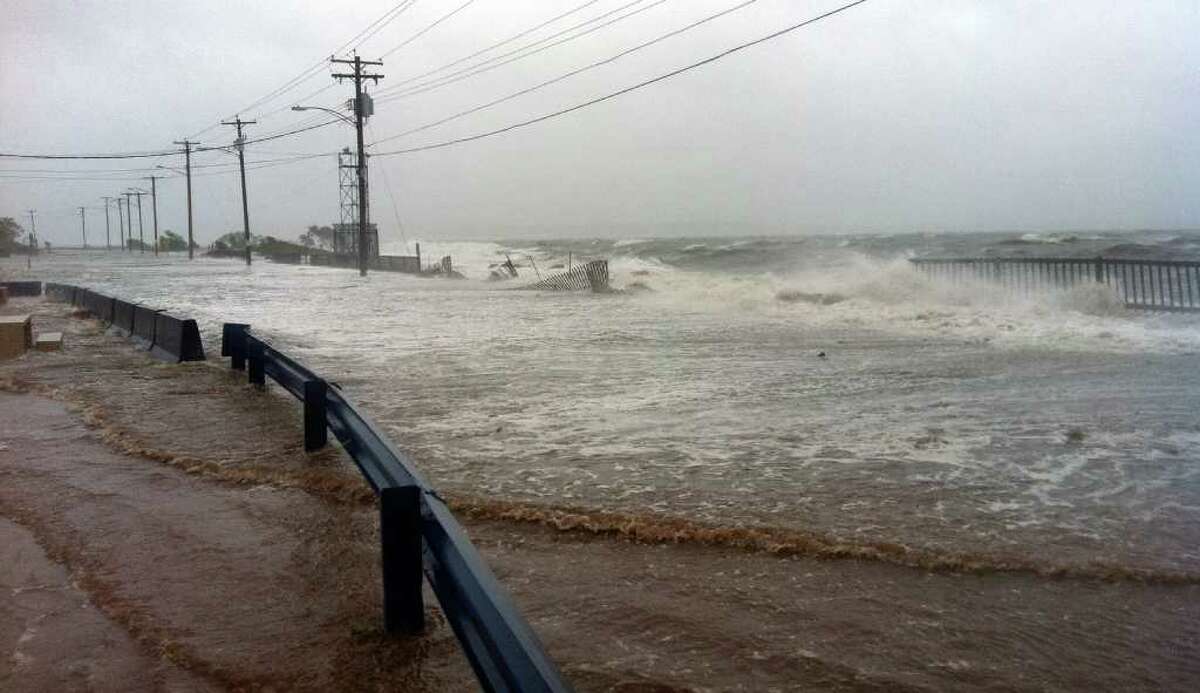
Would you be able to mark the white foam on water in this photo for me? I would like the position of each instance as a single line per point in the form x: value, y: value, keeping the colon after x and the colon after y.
x: 471, y: 258
x: 895, y: 297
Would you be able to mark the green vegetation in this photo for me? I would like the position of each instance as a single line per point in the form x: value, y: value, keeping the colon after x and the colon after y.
x: 234, y: 243
x: 11, y: 234
x: 235, y: 240
x: 171, y: 241
x: 269, y: 245
x: 318, y: 237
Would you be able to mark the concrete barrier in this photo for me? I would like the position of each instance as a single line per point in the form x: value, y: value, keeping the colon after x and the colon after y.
x: 176, y: 339
x: 100, y: 306
x: 143, y: 325
x: 60, y: 292
x: 22, y: 288
x: 123, y: 317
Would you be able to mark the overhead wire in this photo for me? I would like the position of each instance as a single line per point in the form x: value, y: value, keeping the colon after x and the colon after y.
x: 387, y: 186
x: 227, y: 164
x: 447, y: 65
x: 396, y: 91
x: 173, y: 152
x: 634, y: 87
x: 427, y: 29
x: 373, y: 28
x: 494, y: 46
x: 572, y: 73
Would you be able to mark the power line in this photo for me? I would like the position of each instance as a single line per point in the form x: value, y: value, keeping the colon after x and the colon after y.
x: 173, y: 152
x: 300, y: 100
x: 131, y: 155
x: 232, y: 168
x: 427, y: 29
x: 494, y: 46
x: 377, y: 29
x: 387, y: 185
x: 612, y: 95
x: 275, y: 137
x: 150, y: 169
x: 371, y: 29
x: 484, y: 66
x: 572, y: 73
x: 406, y: 42
x: 310, y: 72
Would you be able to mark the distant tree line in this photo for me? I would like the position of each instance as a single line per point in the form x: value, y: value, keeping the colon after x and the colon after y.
x: 13, y: 238
x: 318, y: 237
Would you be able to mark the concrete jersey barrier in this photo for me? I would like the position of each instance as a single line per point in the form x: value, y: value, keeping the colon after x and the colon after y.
x: 168, y: 337
x: 123, y: 317
x: 176, y: 339
x: 60, y: 292
x: 143, y: 325
x: 100, y: 306
x: 23, y: 288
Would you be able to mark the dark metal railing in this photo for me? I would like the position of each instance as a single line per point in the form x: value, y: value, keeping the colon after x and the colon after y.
x: 418, y: 533
x: 1160, y: 285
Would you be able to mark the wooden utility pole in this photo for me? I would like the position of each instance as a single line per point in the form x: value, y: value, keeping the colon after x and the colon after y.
x: 187, y: 166
x: 154, y: 209
x: 32, y: 239
x: 83, y: 227
x: 141, y: 228
x: 107, y: 227
x: 241, y: 147
x: 120, y: 223
x: 129, y: 221
x: 362, y: 109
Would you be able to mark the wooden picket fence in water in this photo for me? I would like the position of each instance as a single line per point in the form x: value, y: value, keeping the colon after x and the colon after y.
x: 590, y: 276
x: 1159, y: 285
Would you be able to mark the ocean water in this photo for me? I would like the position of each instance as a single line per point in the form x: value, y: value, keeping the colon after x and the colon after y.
x: 1057, y: 431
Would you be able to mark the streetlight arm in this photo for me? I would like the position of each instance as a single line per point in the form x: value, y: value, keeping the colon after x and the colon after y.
x: 327, y: 110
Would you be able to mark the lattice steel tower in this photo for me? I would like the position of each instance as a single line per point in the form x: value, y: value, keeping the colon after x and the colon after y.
x: 348, y: 187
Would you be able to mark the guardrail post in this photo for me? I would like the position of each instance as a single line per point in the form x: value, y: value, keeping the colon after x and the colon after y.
x: 400, y: 536
x: 233, y: 344
x: 254, y: 354
x: 315, y: 427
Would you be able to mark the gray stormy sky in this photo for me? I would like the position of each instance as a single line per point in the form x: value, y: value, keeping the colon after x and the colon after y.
x: 895, y: 115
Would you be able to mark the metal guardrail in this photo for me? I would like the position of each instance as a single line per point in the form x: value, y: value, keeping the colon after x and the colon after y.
x: 1158, y: 285
x: 418, y: 533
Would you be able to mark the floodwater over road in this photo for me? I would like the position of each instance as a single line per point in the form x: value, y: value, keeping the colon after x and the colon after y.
x: 1057, y: 433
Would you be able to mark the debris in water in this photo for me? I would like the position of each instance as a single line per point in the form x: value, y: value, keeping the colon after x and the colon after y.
x: 506, y: 270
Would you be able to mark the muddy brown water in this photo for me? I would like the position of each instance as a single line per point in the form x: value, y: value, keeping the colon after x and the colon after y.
x: 181, y: 506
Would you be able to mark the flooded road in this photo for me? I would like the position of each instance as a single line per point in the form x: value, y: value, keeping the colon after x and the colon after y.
x: 942, y: 418
x: 964, y: 446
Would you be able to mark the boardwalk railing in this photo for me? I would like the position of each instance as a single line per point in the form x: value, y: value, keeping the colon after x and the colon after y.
x: 591, y: 276
x: 418, y: 533
x: 1160, y: 285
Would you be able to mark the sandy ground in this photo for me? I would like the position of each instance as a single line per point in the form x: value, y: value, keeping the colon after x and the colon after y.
x: 163, y: 530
